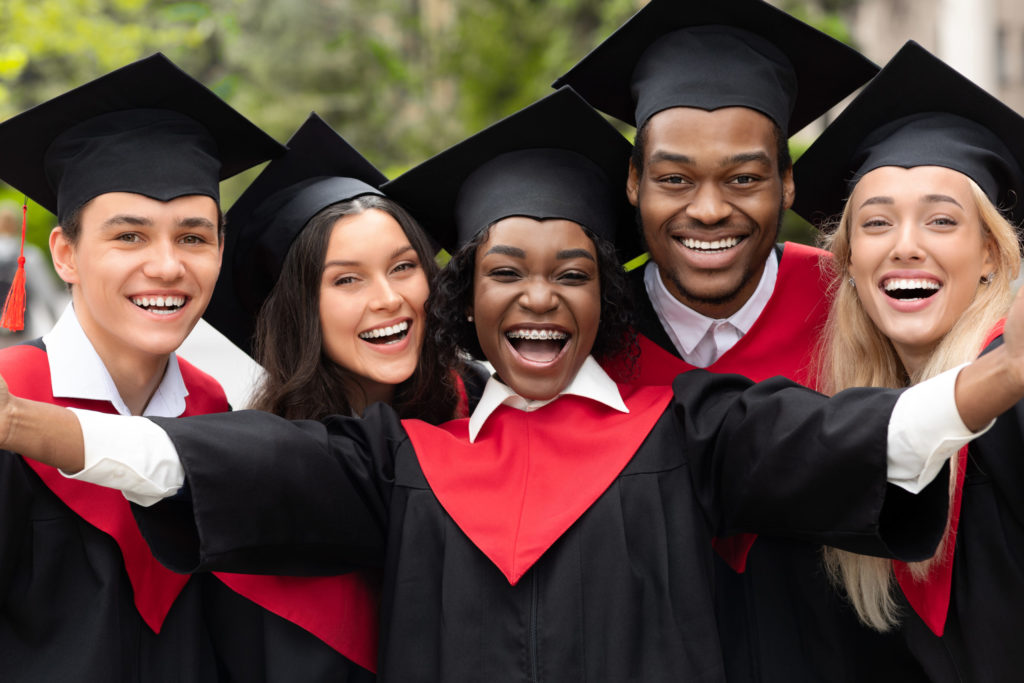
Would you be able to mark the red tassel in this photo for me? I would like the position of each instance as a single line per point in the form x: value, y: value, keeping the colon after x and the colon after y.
x: 13, y: 317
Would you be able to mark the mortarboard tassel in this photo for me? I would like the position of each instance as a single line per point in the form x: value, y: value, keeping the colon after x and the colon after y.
x: 13, y: 317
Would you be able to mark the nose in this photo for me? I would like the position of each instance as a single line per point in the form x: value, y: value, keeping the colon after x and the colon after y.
x: 708, y: 205
x: 538, y: 296
x: 906, y: 247
x: 164, y: 262
x: 384, y: 296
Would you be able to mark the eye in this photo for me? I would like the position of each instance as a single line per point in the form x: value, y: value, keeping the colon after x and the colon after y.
x: 193, y: 239
x: 405, y: 266
x: 944, y: 221
x: 672, y: 180
x: 342, y: 280
x: 745, y: 179
x: 574, y: 277
x: 503, y: 274
x: 128, y: 237
x: 876, y: 223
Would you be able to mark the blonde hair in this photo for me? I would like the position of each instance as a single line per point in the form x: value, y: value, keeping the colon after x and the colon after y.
x: 850, y: 334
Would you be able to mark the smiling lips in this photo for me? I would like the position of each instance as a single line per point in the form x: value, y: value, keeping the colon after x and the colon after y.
x: 161, y: 305
x: 910, y: 289
x: 712, y: 246
x: 538, y: 345
x: 389, y: 334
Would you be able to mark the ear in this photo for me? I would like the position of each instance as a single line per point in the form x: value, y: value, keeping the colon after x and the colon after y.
x: 633, y: 184
x: 788, y: 189
x: 990, y: 264
x: 63, y: 254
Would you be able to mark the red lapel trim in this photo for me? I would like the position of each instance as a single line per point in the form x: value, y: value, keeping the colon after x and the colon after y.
x: 930, y: 596
x: 154, y: 587
x: 342, y: 611
x: 530, y: 476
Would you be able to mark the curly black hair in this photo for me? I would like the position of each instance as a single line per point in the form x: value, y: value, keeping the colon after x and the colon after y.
x: 451, y: 300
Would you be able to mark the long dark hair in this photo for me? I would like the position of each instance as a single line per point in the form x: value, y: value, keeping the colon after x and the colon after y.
x: 452, y: 298
x: 302, y: 382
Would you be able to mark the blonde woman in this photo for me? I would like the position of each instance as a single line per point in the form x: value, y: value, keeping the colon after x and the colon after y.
x: 923, y: 269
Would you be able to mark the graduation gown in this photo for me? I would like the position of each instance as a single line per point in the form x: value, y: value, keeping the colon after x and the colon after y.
x: 539, y: 554
x: 982, y: 630
x: 780, y: 618
x: 84, y: 600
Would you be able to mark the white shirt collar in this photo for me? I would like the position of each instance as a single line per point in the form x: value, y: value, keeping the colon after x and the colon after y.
x: 76, y: 371
x: 686, y: 327
x: 590, y: 382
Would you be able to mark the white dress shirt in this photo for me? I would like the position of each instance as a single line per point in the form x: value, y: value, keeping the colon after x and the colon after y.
x: 924, y: 430
x: 76, y: 371
x: 701, y: 340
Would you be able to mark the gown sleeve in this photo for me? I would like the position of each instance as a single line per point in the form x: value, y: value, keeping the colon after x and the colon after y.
x: 265, y: 495
x: 777, y: 458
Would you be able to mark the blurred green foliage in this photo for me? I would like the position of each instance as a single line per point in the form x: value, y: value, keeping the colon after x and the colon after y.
x: 400, y: 79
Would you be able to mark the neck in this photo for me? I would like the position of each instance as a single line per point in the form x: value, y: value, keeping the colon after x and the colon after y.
x: 913, y: 358
x: 374, y: 392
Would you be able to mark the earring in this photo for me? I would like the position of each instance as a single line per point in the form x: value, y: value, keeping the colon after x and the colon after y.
x: 469, y: 318
x: 987, y: 279
x: 852, y: 283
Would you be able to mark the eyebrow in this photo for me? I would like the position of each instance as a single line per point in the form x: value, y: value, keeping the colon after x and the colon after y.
x: 745, y: 157
x: 574, y: 253
x: 927, y: 199
x: 507, y: 251
x: 349, y: 264
x: 145, y: 221
x: 662, y: 155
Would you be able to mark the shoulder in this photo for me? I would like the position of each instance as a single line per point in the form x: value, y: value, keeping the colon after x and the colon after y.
x: 24, y: 363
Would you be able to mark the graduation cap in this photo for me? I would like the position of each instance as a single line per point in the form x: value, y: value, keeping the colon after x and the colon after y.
x: 557, y: 158
x: 709, y: 55
x: 318, y: 170
x: 917, y: 112
x: 147, y: 128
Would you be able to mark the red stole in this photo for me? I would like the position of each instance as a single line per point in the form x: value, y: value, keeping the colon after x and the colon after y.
x: 339, y: 610
x: 528, y: 477
x: 929, y: 597
x: 781, y: 342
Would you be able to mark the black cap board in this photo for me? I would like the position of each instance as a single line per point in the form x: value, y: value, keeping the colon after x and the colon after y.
x: 917, y: 112
x: 556, y: 158
x: 147, y: 128
x: 709, y: 55
x: 319, y: 169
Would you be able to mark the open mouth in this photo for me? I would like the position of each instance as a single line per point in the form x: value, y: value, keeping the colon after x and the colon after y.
x: 910, y: 290
x: 538, y: 345
x: 391, y: 334
x: 709, y: 246
x: 161, y: 305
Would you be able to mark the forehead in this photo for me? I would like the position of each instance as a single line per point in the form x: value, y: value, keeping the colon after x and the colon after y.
x: 913, y: 183
x: 110, y: 204
x: 366, y: 231
x: 719, y: 133
x: 533, y: 237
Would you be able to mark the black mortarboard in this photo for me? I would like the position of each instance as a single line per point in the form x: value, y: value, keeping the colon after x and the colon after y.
x: 147, y: 128
x: 709, y: 55
x: 917, y: 112
x: 557, y: 158
x: 318, y: 170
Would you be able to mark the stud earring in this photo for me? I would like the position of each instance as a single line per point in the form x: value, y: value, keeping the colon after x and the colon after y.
x: 469, y: 318
x: 852, y: 283
x: 987, y: 279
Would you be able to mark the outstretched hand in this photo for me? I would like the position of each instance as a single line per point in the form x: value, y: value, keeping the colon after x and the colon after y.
x: 43, y: 432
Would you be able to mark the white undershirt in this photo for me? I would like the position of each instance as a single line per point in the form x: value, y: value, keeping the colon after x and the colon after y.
x: 701, y: 340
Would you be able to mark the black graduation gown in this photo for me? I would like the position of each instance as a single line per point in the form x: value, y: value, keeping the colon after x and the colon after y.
x: 625, y: 593
x: 782, y: 620
x: 982, y: 637
x: 68, y: 611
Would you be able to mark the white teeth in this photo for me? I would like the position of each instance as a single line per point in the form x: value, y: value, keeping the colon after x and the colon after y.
x: 892, y: 285
x: 536, y: 335
x: 385, y: 331
x: 716, y: 245
x: 172, y: 302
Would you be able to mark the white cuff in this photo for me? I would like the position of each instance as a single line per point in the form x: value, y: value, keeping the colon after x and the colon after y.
x: 131, y: 454
x: 925, y: 430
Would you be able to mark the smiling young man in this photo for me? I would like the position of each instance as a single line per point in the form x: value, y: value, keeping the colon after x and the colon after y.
x: 715, y: 90
x: 130, y: 164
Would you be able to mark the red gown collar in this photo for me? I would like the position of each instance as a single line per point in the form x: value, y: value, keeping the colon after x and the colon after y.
x: 530, y: 475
